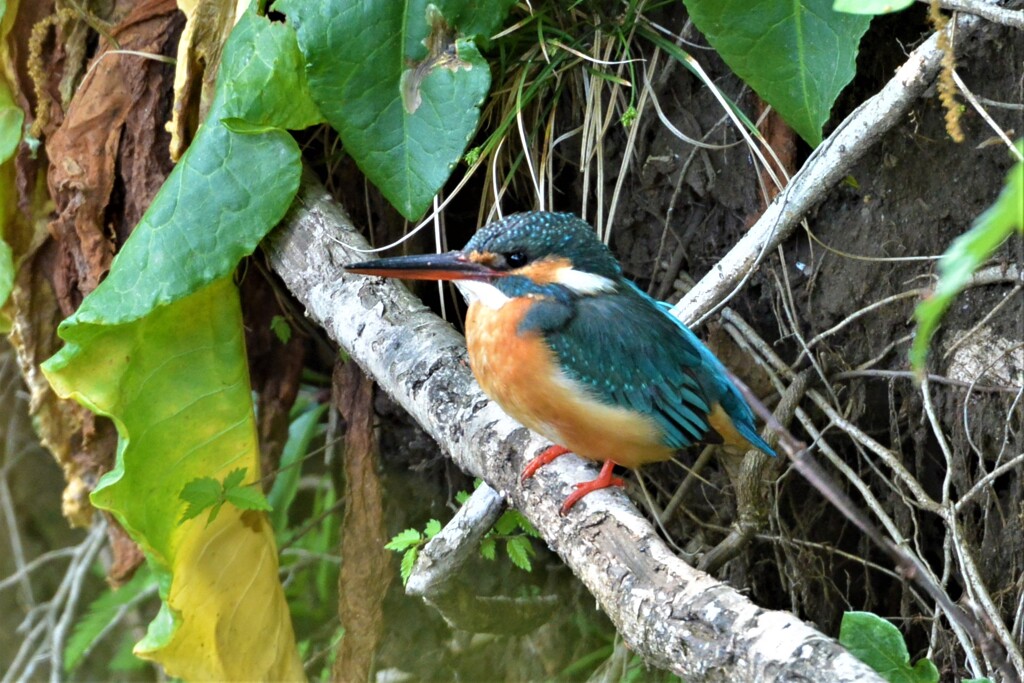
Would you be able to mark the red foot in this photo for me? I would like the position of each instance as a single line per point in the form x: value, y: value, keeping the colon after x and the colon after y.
x: 603, y: 481
x: 547, y: 455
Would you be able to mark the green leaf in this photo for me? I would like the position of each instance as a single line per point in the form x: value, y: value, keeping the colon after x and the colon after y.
x: 202, y: 494
x: 176, y: 385
x: 871, y: 6
x: 519, y: 551
x: 461, y: 497
x: 402, y: 84
x: 100, y: 614
x: 507, y: 523
x: 880, y: 645
x: 6, y: 275
x: 798, y: 55
x: 280, y: 327
x: 11, y: 120
x: 404, y: 540
x: 524, y: 524
x: 247, y: 498
x: 966, y: 254
x: 432, y: 529
x: 207, y: 493
x: 234, y: 478
x: 408, y: 562
x: 227, y: 192
x: 487, y: 548
x: 286, y: 485
x: 159, y: 348
x: 265, y: 84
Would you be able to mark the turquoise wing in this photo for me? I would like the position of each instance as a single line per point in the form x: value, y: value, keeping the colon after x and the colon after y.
x: 724, y: 391
x: 629, y: 352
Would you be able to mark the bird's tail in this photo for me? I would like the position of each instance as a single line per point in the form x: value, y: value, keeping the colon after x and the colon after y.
x: 749, y: 432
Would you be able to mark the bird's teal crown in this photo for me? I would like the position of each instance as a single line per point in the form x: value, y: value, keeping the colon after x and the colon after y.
x: 523, y: 238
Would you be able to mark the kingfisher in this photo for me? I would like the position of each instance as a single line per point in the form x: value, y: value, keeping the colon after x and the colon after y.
x: 571, y: 349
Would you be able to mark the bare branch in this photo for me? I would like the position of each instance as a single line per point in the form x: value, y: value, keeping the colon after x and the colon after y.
x: 677, y: 617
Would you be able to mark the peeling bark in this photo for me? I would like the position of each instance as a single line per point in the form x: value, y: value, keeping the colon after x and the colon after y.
x: 675, y: 616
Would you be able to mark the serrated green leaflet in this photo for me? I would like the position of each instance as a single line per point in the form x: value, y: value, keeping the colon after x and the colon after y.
x: 201, y: 494
x: 519, y: 550
x: 158, y: 347
x: 408, y: 562
x: 247, y: 498
x: 433, y: 528
x: 404, y: 539
x: 797, y: 55
x: 880, y: 645
x: 405, y: 111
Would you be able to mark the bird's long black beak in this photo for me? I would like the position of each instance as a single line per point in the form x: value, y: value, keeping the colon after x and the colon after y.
x: 453, y: 265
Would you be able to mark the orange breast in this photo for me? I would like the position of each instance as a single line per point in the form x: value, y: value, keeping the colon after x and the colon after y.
x: 521, y: 374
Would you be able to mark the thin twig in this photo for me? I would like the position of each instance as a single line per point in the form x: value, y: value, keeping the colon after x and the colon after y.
x: 907, y: 374
x: 829, y: 163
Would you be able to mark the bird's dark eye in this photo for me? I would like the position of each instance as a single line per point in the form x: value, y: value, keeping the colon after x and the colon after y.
x: 516, y: 259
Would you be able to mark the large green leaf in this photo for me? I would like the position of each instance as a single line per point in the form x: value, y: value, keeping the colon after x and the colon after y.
x: 871, y: 6
x: 230, y: 188
x: 966, y: 254
x: 158, y: 347
x: 797, y: 55
x: 176, y: 384
x: 880, y: 645
x: 405, y: 112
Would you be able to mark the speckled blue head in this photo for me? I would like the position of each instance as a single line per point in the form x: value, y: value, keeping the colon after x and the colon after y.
x: 538, y: 235
x: 540, y: 254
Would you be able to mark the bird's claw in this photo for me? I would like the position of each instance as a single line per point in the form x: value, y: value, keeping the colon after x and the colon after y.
x: 546, y: 456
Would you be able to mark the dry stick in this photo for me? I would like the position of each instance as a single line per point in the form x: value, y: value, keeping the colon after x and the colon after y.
x: 829, y: 163
x: 986, y: 10
x: 908, y: 565
x: 975, y: 586
x: 444, y: 555
x: 435, y: 578
x: 773, y: 365
x: 676, y: 617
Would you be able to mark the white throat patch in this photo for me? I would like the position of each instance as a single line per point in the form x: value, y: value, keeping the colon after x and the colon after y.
x: 487, y: 294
